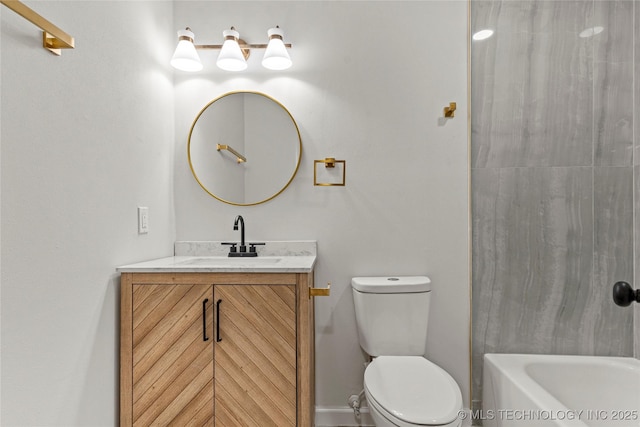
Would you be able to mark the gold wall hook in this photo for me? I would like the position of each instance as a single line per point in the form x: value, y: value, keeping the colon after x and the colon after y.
x: 450, y: 110
x: 320, y: 292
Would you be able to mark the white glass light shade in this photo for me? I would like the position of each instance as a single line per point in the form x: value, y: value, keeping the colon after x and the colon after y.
x: 276, y: 57
x: 231, y: 57
x: 185, y: 57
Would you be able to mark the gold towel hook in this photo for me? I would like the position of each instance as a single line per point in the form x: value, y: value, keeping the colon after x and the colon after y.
x: 450, y: 110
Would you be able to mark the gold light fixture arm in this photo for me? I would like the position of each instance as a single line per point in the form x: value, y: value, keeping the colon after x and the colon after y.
x: 53, y: 38
x: 241, y: 43
x: 244, y: 47
x: 239, y: 157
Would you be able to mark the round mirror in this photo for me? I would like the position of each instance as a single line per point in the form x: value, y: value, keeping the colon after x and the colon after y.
x: 244, y: 148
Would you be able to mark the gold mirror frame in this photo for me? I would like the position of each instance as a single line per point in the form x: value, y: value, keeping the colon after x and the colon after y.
x: 297, y: 131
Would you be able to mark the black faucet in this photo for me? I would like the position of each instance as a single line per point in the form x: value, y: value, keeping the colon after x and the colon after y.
x: 243, y: 247
x: 233, y: 251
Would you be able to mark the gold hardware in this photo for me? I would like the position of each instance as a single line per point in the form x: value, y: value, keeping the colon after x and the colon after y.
x: 329, y: 162
x: 320, y: 292
x: 244, y: 47
x: 450, y: 110
x: 299, y: 148
x: 241, y: 43
x: 53, y: 38
x: 240, y: 158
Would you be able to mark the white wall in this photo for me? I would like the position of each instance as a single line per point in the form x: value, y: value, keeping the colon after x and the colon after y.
x: 368, y: 85
x: 86, y: 138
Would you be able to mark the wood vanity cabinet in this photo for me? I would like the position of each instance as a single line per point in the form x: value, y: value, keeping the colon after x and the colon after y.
x: 216, y: 349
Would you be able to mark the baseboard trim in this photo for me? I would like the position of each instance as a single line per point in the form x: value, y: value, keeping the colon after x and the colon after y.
x: 343, y: 416
x: 333, y: 416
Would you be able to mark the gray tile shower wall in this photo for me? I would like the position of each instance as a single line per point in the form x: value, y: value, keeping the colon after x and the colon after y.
x: 636, y: 212
x: 552, y: 177
x: 636, y: 175
x: 613, y: 83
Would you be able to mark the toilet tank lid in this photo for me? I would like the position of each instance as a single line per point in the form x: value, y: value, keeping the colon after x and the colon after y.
x: 391, y: 284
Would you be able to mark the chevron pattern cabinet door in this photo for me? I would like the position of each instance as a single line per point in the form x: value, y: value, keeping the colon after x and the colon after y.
x: 255, y: 359
x: 172, y: 363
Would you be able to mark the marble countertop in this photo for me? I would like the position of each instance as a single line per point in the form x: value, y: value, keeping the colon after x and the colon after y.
x: 211, y: 257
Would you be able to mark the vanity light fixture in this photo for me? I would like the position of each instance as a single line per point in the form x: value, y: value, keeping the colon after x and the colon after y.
x: 231, y: 58
x: 234, y: 51
x: 185, y: 57
x: 276, y: 57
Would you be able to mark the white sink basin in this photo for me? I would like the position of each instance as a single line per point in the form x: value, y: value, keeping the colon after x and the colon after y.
x: 222, y: 261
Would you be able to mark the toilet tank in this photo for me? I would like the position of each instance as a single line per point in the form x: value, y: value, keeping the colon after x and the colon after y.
x: 392, y: 314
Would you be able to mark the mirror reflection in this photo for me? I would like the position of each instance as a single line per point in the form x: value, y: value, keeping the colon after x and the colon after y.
x: 244, y: 148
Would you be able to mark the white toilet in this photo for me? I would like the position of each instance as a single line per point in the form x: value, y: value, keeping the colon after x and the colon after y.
x: 402, y: 387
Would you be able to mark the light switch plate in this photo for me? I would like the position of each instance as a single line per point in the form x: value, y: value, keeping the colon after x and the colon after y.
x: 143, y: 220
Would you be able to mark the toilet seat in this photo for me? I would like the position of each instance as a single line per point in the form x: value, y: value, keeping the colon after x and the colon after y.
x: 412, y: 391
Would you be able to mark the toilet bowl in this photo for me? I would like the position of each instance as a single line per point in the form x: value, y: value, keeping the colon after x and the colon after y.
x: 403, y: 388
x: 411, y: 391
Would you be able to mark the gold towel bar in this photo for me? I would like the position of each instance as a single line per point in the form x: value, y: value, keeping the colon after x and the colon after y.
x: 53, y: 38
x: 240, y: 157
x: 320, y: 292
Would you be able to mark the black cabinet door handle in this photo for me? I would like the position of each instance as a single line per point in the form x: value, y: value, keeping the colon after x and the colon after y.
x: 218, y: 339
x: 204, y: 320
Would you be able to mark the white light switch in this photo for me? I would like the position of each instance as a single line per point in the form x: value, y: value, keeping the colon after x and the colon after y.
x: 143, y: 220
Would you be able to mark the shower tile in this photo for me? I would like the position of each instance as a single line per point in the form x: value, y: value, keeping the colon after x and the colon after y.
x: 615, y: 42
x: 613, y: 113
x: 552, y: 147
x: 636, y: 351
x: 636, y: 279
x: 610, y: 325
x: 532, y: 85
x: 636, y: 74
x: 532, y: 260
x: 636, y: 171
x: 613, y: 83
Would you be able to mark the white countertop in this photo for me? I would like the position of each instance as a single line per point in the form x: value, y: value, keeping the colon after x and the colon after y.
x: 210, y: 257
x: 215, y: 264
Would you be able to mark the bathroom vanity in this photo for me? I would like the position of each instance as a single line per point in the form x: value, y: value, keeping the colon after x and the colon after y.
x: 212, y: 340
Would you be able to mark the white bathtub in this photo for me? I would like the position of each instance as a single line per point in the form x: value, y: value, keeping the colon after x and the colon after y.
x: 526, y: 390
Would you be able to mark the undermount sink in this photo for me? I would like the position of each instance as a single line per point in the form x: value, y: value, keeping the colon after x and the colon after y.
x: 218, y: 261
